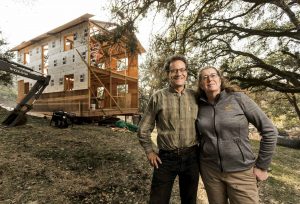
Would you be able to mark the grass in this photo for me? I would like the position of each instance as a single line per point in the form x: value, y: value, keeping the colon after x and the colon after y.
x: 92, y: 164
x: 283, y: 184
x: 81, y: 164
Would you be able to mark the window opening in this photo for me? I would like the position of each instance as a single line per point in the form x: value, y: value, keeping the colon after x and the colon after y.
x: 122, y: 64
x: 122, y: 89
x: 26, y: 58
x: 45, y: 61
x: 69, y: 82
x: 100, y: 92
x: 68, y: 42
x: 75, y: 36
x: 64, y: 60
x: 101, y: 65
x: 82, y: 78
x: 85, y: 32
x: 83, y: 54
x: 100, y: 97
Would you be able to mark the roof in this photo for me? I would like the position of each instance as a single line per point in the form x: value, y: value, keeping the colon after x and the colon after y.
x: 81, y: 19
x: 50, y: 33
x: 110, y: 27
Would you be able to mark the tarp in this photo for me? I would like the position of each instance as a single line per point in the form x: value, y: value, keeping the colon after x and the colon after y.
x: 129, y: 126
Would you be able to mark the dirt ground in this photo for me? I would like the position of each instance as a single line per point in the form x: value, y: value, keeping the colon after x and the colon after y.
x: 94, y: 164
x: 80, y: 164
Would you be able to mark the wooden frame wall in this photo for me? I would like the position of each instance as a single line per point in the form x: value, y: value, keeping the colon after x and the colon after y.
x: 80, y: 101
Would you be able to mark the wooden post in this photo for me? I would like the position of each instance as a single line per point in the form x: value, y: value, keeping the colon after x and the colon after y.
x: 99, y: 81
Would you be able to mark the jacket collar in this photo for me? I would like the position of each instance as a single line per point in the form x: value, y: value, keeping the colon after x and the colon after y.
x: 220, y: 96
x: 172, y: 90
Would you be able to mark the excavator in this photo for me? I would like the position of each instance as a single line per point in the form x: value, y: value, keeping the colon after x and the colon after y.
x: 18, y: 115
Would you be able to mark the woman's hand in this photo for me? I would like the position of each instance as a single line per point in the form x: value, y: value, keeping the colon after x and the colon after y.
x: 260, y: 174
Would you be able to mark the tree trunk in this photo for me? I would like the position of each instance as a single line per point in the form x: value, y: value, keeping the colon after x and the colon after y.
x: 293, y: 101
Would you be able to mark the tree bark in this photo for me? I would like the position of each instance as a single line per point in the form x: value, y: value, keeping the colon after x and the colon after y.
x: 293, y: 101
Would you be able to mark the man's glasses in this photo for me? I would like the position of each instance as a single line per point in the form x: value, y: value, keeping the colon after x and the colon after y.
x: 175, y: 71
x: 210, y: 76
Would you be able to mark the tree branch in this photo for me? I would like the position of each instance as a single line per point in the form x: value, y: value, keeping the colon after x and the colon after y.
x: 289, y: 12
x: 278, y: 86
x: 291, y: 76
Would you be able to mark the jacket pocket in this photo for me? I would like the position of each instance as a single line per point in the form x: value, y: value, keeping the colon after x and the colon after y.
x: 232, y: 154
x: 238, y: 142
x: 247, y: 151
x: 208, y: 150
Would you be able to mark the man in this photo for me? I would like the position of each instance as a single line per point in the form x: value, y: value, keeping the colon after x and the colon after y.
x: 173, y: 110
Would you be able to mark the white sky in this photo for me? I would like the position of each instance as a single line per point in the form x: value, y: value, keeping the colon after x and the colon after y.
x: 22, y: 20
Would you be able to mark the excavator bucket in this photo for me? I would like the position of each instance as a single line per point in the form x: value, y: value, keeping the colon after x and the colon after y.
x: 15, y: 118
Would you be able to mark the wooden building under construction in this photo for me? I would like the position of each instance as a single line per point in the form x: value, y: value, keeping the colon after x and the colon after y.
x: 93, y: 68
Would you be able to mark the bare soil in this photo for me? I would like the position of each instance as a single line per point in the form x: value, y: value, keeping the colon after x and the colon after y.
x: 79, y: 164
x: 93, y: 164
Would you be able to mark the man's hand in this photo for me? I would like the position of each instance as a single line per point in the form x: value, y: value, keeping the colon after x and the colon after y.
x: 260, y: 174
x: 153, y: 159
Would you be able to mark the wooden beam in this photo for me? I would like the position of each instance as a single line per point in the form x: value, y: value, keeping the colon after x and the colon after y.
x: 99, y: 81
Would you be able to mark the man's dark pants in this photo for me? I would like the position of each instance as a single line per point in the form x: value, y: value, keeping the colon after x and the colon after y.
x: 185, y: 165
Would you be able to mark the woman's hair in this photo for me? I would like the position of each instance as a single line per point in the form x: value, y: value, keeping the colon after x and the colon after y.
x: 225, y: 85
x: 172, y: 59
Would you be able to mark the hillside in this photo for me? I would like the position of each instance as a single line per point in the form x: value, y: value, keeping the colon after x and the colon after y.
x: 93, y: 164
x: 82, y: 164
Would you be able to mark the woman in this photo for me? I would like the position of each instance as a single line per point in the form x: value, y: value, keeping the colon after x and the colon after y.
x: 229, y: 169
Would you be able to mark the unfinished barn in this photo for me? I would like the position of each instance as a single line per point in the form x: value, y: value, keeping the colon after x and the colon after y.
x: 93, y: 68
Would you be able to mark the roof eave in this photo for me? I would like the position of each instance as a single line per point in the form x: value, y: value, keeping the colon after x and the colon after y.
x: 74, y: 22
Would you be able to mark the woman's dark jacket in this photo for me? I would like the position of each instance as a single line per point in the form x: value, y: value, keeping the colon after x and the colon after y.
x: 224, y: 129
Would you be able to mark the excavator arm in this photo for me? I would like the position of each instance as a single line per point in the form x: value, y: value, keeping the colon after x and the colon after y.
x: 17, y: 116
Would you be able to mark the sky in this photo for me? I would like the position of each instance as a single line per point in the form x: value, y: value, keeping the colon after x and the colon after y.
x: 22, y: 20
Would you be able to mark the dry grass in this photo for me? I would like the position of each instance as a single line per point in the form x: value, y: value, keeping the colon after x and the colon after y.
x: 92, y: 164
x: 82, y: 164
x: 283, y: 185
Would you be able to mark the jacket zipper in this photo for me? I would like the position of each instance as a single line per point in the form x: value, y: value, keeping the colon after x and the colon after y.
x: 219, y: 154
